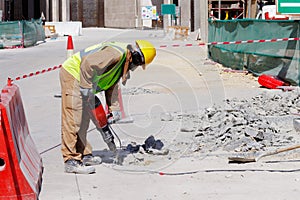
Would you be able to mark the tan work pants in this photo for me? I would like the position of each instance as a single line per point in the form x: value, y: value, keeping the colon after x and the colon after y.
x: 74, y: 122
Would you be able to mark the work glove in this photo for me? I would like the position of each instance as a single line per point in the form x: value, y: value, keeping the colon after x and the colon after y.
x: 87, y: 93
x: 114, y: 117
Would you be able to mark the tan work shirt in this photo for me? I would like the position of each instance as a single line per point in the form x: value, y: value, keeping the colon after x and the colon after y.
x: 99, y: 63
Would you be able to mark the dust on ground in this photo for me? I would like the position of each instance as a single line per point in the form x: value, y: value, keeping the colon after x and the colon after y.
x: 261, y: 123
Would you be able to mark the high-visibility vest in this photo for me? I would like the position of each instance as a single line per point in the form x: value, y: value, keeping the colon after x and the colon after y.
x: 105, y: 80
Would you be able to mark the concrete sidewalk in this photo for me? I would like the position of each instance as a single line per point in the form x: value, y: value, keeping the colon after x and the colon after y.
x: 180, y: 81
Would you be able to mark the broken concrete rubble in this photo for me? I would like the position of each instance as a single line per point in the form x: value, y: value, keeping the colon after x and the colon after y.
x: 260, y: 123
x: 138, y: 91
x: 166, y: 117
x: 265, y: 121
x: 253, y: 124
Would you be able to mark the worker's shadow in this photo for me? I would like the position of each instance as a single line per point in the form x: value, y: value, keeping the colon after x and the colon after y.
x: 110, y: 157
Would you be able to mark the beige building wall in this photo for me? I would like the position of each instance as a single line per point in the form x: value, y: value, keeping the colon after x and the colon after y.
x: 121, y: 14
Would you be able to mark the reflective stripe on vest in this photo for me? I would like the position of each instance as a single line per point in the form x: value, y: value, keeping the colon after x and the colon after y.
x: 109, y: 78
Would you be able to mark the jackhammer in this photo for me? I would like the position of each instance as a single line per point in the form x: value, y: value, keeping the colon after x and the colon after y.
x: 99, y: 118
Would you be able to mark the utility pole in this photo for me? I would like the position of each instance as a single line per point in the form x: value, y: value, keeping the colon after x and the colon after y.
x: 55, y: 10
x: 65, y: 10
x: 166, y: 18
x: 204, y: 20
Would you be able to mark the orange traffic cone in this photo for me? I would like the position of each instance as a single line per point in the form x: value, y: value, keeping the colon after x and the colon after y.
x: 70, y: 47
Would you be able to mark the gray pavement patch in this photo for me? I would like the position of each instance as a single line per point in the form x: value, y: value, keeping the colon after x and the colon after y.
x: 137, y: 91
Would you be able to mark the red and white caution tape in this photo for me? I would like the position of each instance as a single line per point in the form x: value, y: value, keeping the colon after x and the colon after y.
x: 10, y: 80
x: 233, y: 42
x: 255, y: 41
x: 178, y: 45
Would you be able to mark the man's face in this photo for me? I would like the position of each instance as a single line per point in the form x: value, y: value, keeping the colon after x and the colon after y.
x: 132, y: 66
x: 137, y: 57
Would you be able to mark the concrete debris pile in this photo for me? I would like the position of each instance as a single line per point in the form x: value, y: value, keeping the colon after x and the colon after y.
x: 137, y: 91
x: 246, y: 125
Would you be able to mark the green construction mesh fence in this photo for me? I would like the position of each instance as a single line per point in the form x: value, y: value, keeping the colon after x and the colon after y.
x: 16, y: 34
x: 280, y: 58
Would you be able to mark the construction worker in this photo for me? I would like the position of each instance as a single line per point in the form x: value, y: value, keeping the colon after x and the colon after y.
x: 97, y: 68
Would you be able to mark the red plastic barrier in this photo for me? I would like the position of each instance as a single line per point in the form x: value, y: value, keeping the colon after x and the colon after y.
x: 276, y: 17
x: 121, y: 103
x: 269, y: 81
x: 20, y: 163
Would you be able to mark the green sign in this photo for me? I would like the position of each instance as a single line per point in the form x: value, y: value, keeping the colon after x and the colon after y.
x: 288, y: 7
x: 168, y: 9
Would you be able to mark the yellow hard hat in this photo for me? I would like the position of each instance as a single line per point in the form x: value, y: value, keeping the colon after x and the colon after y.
x: 148, y: 51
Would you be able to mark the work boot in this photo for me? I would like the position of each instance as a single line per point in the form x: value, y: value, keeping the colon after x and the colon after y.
x: 89, y: 160
x: 77, y: 167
